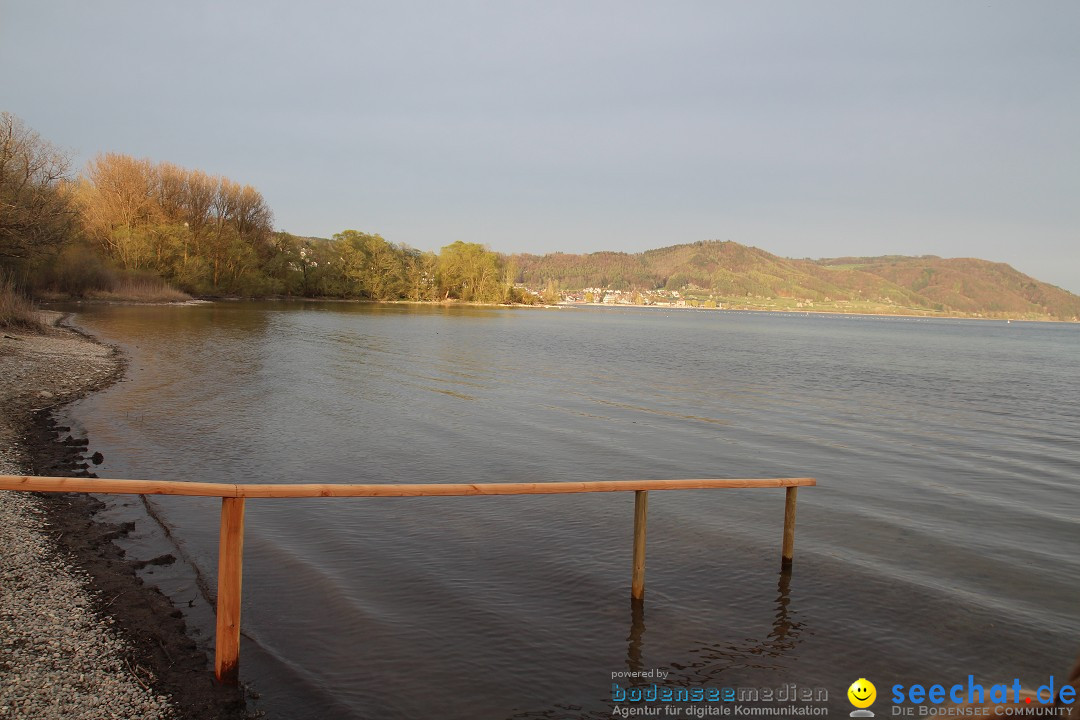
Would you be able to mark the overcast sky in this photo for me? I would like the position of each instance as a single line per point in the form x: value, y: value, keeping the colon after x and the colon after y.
x: 805, y: 128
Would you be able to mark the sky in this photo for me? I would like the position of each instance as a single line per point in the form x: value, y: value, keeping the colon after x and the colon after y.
x: 808, y: 129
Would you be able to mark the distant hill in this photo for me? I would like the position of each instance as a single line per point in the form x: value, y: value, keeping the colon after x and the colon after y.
x: 744, y: 275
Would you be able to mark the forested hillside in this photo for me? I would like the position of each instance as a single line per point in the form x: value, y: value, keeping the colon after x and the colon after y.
x: 730, y: 270
x: 967, y: 284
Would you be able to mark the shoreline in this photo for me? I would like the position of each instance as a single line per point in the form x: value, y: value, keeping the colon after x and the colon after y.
x: 921, y: 315
x: 801, y: 311
x: 45, y: 373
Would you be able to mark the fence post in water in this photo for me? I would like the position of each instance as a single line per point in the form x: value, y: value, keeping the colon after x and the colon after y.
x: 230, y: 563
x: 641, y: 511
x: 789, y: 527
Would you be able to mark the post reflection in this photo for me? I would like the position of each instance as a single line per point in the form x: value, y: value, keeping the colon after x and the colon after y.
x: 709, y: 661
x: 637, y: 632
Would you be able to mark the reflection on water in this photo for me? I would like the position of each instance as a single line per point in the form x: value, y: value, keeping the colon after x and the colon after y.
x: 708, y: 665
x: 937, y: 543
x: 637, y: 634
x: 712, y: 661
x: 709, y: 662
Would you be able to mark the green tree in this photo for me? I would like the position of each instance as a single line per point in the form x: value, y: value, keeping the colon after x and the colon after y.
x: 420, y: 273
x: 551, y: 293
x: 469, y: 272
x: 375, y: 267
x: 510, y: 275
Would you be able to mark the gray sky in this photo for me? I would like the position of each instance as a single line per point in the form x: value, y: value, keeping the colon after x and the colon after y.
x: 804, y: 128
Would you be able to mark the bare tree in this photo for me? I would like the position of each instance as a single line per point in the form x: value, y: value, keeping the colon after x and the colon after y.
x: 36, y: 214
x: 171, y: 191
x: 120, y: 199
x: 202, y: 229
x: 201, y: 190
x: 251, y: 214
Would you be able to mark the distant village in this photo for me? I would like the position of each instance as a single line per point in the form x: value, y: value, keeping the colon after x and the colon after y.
x: 607, y: 296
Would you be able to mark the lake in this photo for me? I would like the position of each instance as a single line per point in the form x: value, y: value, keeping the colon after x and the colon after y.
x: 940, y: 542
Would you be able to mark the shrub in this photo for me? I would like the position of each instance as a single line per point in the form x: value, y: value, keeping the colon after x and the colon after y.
x: 16, y: 310
x: 139, y: 287
x: 77, y: 272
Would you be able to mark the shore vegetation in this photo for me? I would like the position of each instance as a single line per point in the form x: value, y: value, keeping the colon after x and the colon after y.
x: 129, y: 228
x: 16, y: 309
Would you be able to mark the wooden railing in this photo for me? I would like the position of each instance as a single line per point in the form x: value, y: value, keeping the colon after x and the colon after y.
x: 231, y: 545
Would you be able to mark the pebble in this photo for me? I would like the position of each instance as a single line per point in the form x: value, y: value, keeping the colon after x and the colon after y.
x: 58, y: 657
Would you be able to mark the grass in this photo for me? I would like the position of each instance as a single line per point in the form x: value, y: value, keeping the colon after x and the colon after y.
x: 140, y: 288
x: 16, y: 310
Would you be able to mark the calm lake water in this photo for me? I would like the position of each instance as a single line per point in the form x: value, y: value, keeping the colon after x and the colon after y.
x: 941, y: 541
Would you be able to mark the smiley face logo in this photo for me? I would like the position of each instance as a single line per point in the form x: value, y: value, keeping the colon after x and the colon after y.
x: 862, y: 693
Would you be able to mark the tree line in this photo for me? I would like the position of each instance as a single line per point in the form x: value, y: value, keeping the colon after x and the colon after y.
x: 207, y: 235
x: 130, y: 223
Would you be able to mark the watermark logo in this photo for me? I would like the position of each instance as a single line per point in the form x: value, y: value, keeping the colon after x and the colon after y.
x: 862, y: 694
x: 972, y: 698
x: 671, y: 700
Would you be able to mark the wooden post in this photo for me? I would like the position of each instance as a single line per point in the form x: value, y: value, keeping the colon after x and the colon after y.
x: 230, y: 563
x: 789, y: 527
x: 641, y: 511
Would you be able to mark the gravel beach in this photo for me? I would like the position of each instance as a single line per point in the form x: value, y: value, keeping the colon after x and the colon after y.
x: 58, y: 658
x: 80, y: 635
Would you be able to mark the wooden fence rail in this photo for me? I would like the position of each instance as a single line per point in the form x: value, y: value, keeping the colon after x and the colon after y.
x: 231, y: 547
